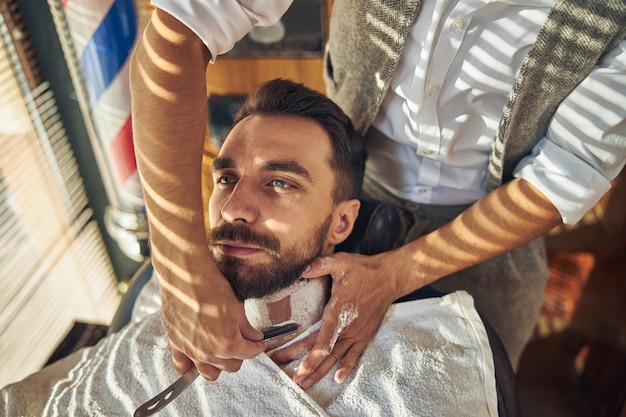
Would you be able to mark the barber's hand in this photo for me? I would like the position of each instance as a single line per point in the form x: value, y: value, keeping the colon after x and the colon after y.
x: 362, y: 291
x: 295, y: 350
x: 204, y: 320
x: 209, y: 329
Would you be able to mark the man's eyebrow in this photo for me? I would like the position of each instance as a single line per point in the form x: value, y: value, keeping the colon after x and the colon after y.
x: 222, y: 163
x: 289, y: 166
x: 279, y: 165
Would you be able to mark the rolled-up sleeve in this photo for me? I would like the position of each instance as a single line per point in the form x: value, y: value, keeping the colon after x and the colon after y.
x: 221, y: 23
x: 585, y: 145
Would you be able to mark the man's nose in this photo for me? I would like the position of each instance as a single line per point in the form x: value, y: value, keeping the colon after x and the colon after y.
x: 241, y: 205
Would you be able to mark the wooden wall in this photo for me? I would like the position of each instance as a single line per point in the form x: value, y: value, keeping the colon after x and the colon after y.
x: 241, y: 75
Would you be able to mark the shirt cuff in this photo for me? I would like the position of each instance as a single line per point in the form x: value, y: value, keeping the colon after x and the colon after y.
x: 572, y: 185
x: 219, y: 24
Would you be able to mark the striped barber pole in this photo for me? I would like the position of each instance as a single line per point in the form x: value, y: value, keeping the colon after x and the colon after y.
x: 103, y: 33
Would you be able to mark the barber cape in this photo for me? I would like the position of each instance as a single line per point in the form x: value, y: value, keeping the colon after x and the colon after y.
x: 430, y: 357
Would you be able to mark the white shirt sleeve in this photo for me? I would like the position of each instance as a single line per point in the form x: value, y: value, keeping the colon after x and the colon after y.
x: 221, y: 23
x: 585, y: 145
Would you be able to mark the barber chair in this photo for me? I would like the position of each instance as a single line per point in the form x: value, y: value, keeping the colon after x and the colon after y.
x: 377, y: 229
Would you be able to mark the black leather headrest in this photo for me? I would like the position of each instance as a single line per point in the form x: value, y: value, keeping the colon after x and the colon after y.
x: 378, y: 228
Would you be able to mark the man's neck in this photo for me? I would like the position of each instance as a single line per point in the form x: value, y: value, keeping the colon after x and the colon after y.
x: 303, y: 302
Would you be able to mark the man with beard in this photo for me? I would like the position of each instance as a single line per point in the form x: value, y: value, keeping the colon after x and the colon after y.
x: 487, y: 123
x: 285, y: 187
x: 284, y: 194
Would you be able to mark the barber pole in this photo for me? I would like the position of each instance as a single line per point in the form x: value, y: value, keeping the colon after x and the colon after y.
x: 103, y: 34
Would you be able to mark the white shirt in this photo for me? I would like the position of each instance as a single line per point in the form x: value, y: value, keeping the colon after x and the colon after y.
x: 447, y: 96
x: 446, y: 99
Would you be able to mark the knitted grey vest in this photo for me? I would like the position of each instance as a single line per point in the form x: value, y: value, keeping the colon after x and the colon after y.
x: 364, y: 48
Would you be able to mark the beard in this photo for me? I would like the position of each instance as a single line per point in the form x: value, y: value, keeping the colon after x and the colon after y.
x: 284, y: 268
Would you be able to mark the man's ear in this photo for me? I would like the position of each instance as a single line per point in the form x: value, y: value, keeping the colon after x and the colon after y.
x: 344, y: 216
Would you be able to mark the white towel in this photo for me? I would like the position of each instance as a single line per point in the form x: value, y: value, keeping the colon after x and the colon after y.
x: 429, y: 358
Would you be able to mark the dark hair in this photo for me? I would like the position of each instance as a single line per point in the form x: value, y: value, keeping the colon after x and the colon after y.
x: 282, y: 96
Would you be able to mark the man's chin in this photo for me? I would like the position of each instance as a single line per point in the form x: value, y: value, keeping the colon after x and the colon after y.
x: 252, y: 278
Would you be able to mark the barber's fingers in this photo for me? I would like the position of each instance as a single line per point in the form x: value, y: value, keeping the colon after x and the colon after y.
x: 182, y: 363
x: 343, y: 337
x: 227, y: 356
x: 212, y: 371
x: 209, y: 370
x: 294, y: 351
x: 247, y: 331
x: 316, y: 366
x: 349, y: 362
x: 345, y: 355
x: 321, y: 267
x: 328, y: 350
x: 212, y: 365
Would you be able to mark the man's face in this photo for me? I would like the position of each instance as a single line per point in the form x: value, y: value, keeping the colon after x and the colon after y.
x: 270, y: 210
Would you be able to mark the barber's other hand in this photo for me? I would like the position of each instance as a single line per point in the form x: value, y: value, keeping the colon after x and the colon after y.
x: 209, y: 330
x: 295, y: 350
x: 361, y: 294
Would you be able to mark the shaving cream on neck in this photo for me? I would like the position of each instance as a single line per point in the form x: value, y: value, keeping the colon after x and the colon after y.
x: 302, y: 302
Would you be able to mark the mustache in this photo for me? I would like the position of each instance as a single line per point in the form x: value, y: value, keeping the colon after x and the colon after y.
x: 243, y: 234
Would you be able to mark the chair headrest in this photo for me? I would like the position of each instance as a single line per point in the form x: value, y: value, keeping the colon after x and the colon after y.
x: 378, y: 228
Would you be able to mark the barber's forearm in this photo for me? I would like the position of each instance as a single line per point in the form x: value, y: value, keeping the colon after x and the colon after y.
x: 512, y: 215
x: 169, y: 125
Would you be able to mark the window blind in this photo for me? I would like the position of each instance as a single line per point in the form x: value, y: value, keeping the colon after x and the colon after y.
x: 54, y: 268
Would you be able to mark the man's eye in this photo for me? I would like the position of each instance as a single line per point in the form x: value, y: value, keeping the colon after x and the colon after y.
x: 224, y: 179
x: 280, y: 184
